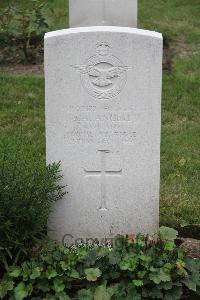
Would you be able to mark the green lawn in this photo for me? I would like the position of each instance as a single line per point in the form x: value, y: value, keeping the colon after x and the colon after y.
x: 22, y: 104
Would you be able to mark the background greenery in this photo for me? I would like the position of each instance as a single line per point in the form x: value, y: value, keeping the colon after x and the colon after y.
x: 57, y: 20
x: 22, y: 102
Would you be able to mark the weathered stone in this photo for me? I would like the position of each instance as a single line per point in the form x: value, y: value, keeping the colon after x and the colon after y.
x: 103, y: 12
x: 103, y: 118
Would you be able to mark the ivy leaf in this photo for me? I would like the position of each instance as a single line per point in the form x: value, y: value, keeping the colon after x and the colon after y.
x: 174, y: 294
x: 26, y: 270
x: 64, y: 250
x: 114, y: 258
x: 120, y: 289
x: 101, y: 293
x: 51, y: 273
x: 129, y: 263
x: 14, y: 271
x: 164, y: 276
x: 155, y: 293
x: 192, y: 281
x: 140, y: 240
x: 92, y: 274
x: 62, y: 296
x: 5, y: 286
x: 145, y: 258
x: 168, y: 234
x: 43, y: 285
x: 82, y: 253
x: 119, y: 242
x: 138, y: 282
x: 73, y: 274
x: 102, y: 252
x: 64, y: 265
x: 22, y: 291
x: 159, y: 277
x: 58, y: 285
x: 132, y: 294
x: 166, y: 285
x: 169, y: 246
x: 168, y: 267
x: 155, y: 278
x: 35, y: 273
x: 85, y: 295
x: 91, y: 257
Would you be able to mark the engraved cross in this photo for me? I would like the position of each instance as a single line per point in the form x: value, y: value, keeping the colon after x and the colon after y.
x: 103, y: 173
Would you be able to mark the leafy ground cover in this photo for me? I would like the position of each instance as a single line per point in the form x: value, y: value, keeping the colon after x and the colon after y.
x: 141, y: 267
x: 22, y: 105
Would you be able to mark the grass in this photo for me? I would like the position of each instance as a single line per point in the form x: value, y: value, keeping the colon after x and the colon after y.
x: 22, y: 105
x: 22, y: 109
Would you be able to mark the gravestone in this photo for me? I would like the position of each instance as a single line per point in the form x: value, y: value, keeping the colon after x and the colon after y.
x: 103, y: 119
x: 103, y: 12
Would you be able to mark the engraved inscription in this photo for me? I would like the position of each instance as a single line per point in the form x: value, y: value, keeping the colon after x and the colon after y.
x: 103, y: 75
x: 118, y: 116
x: 103, y: 173
x: 103, y: 137
x: 88, y: 125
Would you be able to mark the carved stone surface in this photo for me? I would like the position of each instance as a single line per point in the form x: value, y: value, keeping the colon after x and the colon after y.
x: 103, y: 99
x: 103, y: 75
x: 103, y: 12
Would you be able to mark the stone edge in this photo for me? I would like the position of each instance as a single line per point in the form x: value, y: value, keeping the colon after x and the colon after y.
x: 129, y: 30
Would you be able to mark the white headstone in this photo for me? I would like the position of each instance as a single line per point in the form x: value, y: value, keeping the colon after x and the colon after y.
x: 103, y: 119
x: 103, y: 12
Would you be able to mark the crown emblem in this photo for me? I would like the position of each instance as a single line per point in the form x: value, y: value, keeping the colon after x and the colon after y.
x: 103, y: 49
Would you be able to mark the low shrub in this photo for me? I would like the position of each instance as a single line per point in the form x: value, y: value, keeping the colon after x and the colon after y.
x: 140, y: 267
x: 28, y: 188
x: 22, y: 32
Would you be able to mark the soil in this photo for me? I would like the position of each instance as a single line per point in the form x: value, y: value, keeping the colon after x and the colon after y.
x: 20, y: 69
x: 191, y: 247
